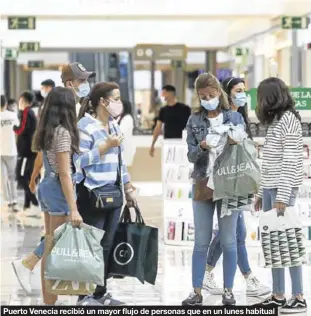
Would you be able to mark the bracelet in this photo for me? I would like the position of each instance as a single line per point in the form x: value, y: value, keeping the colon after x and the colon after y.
x: 129, y: 191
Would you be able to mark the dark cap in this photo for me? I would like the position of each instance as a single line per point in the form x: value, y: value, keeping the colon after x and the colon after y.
x: 75, y: 71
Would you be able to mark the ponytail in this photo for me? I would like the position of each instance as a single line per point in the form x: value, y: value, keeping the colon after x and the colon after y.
x: 86, y: 107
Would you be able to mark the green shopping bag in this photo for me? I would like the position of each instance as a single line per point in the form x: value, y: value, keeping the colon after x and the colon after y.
x: 236, y: 172
x: 77, y: 255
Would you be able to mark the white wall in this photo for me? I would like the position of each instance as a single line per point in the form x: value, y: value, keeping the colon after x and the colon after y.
x: 40, y: 75
x: 48, y: 58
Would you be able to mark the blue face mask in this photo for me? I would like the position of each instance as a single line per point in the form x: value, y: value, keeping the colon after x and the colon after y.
x: 83, y: 90
x: 240, y: 99
x: 210, y: 105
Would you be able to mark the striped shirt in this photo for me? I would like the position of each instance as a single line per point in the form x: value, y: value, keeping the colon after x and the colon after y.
x: 282, y: 165
x: 99, y: 170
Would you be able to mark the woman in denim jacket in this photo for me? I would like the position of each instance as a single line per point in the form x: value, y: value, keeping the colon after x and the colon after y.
x: 214, y: 107
x: 235, y: 89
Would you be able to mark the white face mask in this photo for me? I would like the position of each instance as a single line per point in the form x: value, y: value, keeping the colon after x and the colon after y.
x: 215, y: 121
x: 44, y: 94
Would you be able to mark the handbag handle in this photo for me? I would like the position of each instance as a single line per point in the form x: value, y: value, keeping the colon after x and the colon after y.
x: 127, y: 218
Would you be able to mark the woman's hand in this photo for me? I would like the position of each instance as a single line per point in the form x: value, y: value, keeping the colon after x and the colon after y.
x: 231, y: 141
x: 114, y: 141
x: 258, y: 204
x: 130, y: 199
x: 203, y: 145
x: 75, y: 218
x: 32, y: 186
x: 280, y: 206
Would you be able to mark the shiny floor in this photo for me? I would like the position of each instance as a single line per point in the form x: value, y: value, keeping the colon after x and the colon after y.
x: 20, y: 236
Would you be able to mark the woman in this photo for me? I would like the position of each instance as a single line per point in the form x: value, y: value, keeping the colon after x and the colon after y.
x: 97, y: 166
x: 126, y: 123
x: 235, y: 89
x: 26, y: 157
x: 213, y: 108
x: 57, y: 137
x: 282, y: 174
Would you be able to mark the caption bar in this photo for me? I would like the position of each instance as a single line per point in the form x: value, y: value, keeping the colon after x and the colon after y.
x: 136, y: 310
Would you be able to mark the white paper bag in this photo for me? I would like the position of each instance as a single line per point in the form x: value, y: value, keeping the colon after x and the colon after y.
x: 282, y: 238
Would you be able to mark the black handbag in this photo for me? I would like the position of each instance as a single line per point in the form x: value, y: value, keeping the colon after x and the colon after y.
x: 108, y: 197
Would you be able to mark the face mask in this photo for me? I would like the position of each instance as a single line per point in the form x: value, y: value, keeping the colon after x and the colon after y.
x: 240, y: 99
x: 83, y: 90
x: 210, y: 105
x: 115, y: 108
x: 44, y: 94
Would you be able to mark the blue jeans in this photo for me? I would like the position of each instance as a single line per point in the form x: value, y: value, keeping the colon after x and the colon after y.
x: 40, y: 249
x: 215, y: 250
x: 278, y: 274
x: 203, y: 212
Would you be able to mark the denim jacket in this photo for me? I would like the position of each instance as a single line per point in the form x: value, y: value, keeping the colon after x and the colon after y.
x: 197, y: 129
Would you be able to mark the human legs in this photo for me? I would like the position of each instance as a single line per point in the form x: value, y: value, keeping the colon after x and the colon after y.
x: 9, y: 162
x: 203, y: 212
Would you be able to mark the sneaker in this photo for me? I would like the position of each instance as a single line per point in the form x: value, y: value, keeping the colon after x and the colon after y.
x: 33, y: 212
x: 254, y: 288
x: 271, y: 302
x: 293, y: 306
x: 107, y: 300
x: 228, y: 298
x: 14, y: 207
x: 89, y: 301
x: 23, y: 275
x: 210, y: 285
x: 193, y: 299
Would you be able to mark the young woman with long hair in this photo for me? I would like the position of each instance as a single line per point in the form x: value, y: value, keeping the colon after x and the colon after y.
x: 235, y: 89
x: 213, y: 109
x: 57, y: 137
x: 98, y: 167
x: 281, y: 176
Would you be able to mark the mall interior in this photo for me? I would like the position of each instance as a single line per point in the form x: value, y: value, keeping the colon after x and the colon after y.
x: 144, y: 46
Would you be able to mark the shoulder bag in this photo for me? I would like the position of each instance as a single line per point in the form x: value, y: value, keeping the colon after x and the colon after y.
x: 108, y: 197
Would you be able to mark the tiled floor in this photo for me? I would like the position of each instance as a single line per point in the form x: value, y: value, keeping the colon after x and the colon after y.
x: 20, y: 236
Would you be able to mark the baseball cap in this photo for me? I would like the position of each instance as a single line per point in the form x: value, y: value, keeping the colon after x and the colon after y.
x: 75, y: 71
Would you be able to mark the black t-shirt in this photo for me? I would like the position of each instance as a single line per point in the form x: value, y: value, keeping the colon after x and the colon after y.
x: 175, y: 118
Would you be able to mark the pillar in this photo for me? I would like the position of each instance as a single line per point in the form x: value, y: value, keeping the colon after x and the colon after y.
x: 295, y: 80
x: 211, y: 62
x: 179, y: 79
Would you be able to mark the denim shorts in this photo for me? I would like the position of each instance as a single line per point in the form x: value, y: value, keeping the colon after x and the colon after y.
x: 51, y: 197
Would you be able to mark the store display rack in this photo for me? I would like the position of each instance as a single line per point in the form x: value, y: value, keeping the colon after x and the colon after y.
x: 177, y: 193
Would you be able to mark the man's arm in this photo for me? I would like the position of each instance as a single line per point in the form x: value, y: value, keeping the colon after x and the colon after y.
x: 156, y: 134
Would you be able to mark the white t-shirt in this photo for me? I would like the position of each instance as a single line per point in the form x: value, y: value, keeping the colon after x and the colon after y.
x: 8, y: 141
x: 127, y: 126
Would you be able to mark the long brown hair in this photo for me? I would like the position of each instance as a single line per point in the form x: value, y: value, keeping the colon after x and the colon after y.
x: 208, y: 80
x: 59, y: 109
x: 100, y: 90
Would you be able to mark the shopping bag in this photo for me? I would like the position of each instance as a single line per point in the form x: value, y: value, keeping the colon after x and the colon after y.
x: 236, y: 172
x: 77, y: 255
x: 129, y: 251
x: 151, y: 261
x: 60, y: 287
x: 282, y: 238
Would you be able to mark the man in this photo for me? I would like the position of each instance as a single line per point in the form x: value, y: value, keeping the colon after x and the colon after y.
x: 12, y: 105
x: 46, y: 87
x: 74, y: 76
x: 174, y: 115
x: 8, y: 120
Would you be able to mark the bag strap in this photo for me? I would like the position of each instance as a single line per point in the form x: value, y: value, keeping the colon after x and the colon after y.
x: 126, y: 216
x: 119, y: 171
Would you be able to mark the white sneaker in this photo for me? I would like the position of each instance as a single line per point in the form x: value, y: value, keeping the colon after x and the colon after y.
x: 33, y: 212
x: 23, y: 275
x: 210, y: 285
x: 254, y: 288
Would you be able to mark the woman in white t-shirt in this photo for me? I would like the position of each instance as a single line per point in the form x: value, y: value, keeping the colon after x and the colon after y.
x: 126, y: 123
x: 8, y: 154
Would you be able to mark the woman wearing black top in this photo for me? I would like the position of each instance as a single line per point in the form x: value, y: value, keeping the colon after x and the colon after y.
x: 26, y: 157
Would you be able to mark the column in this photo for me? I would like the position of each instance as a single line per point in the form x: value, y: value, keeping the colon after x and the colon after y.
x: 179, y: 79
x: 294, y: 61
x: 211, y: 62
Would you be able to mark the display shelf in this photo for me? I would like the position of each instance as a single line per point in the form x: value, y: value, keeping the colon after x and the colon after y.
x: 177, y: 203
